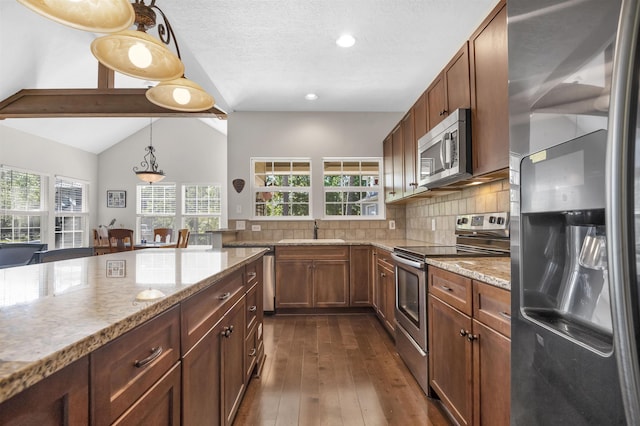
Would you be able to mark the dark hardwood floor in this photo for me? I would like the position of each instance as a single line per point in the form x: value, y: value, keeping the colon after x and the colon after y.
x: 334, y: 370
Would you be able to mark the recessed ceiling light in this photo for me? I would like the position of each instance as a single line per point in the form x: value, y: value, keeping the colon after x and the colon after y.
x: 346, y: 40
x: 311, y: 96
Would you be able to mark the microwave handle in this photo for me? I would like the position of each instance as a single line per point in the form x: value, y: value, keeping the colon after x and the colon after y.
x: 446, y: 143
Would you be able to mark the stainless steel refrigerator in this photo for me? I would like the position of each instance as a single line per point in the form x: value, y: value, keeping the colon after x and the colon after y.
x: 575, y: 209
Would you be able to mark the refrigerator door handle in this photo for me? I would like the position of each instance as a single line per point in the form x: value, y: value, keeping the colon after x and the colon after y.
x: 620, y: 156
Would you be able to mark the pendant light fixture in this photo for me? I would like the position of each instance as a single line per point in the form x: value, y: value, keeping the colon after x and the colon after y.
x: 103, y: 16
x: 137, y: 54
x: 149, y: 172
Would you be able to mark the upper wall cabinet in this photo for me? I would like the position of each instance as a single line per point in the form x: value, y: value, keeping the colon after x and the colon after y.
x: 451, y: 89
x: 489, y: 93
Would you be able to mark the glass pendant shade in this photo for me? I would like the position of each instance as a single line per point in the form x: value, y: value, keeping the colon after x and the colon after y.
x: 150, y: 177
x: 137, y: 54
x: 101, y: 16
x: 180, y: 94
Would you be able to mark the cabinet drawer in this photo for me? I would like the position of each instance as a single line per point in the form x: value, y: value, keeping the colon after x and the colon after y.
x: 492, y: 306
x: 252, y: 307
x: 452, y: 288
x: 202, y: 310
x: 313, y: 252
x: 254, y: 272
x: 124, y: 369
x: 384, y: 258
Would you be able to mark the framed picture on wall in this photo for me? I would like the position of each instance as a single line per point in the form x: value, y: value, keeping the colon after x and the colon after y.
x: 117, y: 199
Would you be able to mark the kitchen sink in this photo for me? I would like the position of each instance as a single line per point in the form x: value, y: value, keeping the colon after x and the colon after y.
x: 311, y: 240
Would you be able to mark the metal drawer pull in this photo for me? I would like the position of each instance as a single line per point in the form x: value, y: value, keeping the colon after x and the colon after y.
x: 472, y: 337
x: 224, y: 296
x: 253, y: 352
x: 252, y: 275
x: 253, y: 308
x: 155, y: 353
x: 445, y: 288
x: 463, y: 332
x: 505, y: 315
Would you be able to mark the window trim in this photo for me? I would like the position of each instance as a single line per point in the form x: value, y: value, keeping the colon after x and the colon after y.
x: 83, y: 214
x: 140, y: 216
x: 186, y: 216
x: 380, y: 189
x: 255, y: 189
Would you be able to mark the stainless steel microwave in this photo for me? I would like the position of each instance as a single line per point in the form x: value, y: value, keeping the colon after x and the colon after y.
x: 444, y: 153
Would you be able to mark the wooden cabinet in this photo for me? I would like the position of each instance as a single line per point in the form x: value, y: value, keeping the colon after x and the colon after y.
x: 387, y: 158
x: 469, y: 352
x: 312, y: 277
x: 60, y: 399
x: 360, y: 276
x: 124, y: 370
x: 450, y: 90
x: 409, y: 149
x: 232, y: 360
x: 385, y: 289
x: 489, y: 93
x: 398, y: 163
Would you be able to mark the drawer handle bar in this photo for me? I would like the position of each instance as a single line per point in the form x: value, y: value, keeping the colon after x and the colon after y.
x: 226, y: 332
x: 253, y: 352
x: 155, y: 353
x: 253, y: 308
x: 445, y: 288
x: 505, y: 315
x: 224, y: 296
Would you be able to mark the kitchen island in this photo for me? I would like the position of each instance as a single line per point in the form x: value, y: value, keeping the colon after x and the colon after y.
x: 54, y: 314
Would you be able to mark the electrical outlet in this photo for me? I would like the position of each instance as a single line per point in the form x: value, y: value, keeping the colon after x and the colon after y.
x: 256, y: 228
x: 433, y: 224
x: 239, y: 208
x: 392, y: 224
x: 240, y: 225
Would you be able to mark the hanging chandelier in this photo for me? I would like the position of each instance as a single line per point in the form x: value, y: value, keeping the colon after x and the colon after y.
x: 132, y: 52
x: 149, y: 171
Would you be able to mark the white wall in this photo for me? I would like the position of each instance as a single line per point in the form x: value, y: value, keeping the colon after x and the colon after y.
x: 299, y: 134
x: 33, y: 153
x: 187, y: 150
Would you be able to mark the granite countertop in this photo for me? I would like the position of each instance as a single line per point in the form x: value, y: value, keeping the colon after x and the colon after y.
x: 55, y: 313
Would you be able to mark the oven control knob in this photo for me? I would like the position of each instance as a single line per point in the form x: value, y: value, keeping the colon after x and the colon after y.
x: 463, y: 220
x: 500, y: 221
x: 459, y: 221
x: 492, y: 219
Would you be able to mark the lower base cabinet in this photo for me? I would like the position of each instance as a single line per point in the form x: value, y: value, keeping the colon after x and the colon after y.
x: 60, y: 399
x: 385, y: 290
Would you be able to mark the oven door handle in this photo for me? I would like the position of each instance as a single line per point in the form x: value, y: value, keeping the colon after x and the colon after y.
x: 403, y: 261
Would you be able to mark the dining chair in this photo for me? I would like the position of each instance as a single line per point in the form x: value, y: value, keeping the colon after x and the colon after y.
x: 164, y: 233
x: 120, y: 240
x: 183, y: 238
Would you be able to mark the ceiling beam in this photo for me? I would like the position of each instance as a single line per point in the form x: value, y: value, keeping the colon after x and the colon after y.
x: 101, y: 102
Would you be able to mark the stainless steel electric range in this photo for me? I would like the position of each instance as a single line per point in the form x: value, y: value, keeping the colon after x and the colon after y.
x: 482, y: 234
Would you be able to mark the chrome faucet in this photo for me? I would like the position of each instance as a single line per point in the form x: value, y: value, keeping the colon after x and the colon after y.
x: 315, y: 229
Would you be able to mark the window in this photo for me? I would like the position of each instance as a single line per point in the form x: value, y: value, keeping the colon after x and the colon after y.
x: 70, y: 213
x: 201, y: 209
x: 22, y: 206
x: 352, y: 188
x: 156, y: 208
x: 281, y: 188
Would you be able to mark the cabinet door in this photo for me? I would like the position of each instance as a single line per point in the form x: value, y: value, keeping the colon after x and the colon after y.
x: 159, y: 406
x: 294, y: 284
x: 450, y: 358
x: 390, y: 299
x: 201, y: 380
x: 233, y: 343
x: 491, y: 377
x: 360, y: 276
x: 398, y: 162
x: 387, y: 148
x: 436, y: 102
x: 489, y: 93
x: 330, y: 283
x: 410, y: 152
x: 456, y: 73
x: 420, y: 117
x: 379, y: 291
x: 60, y: 399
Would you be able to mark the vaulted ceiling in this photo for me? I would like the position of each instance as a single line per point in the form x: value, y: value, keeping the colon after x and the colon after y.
x: 251, y: 55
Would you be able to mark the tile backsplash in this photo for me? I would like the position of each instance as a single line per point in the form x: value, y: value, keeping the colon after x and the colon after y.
x: 413, y: 220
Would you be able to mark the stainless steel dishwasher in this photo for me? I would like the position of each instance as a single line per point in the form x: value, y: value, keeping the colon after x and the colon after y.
x: 269, y: 278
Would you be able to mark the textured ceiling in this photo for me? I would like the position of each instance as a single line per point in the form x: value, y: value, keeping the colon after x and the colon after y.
x: 253, y: 55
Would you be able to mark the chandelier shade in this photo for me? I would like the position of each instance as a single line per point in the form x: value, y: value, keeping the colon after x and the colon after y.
x: 101, y: 16
x: 137, y: 54
x: 180, y: 94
